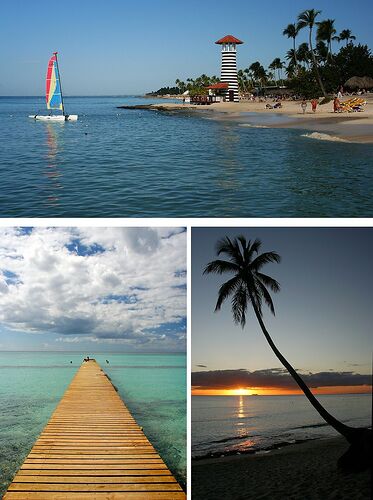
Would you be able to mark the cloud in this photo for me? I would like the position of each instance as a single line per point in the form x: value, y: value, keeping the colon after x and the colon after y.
x: 275, y: 378
x: 123, y: 284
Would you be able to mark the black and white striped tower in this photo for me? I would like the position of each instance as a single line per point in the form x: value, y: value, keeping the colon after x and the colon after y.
x: 229, y: 66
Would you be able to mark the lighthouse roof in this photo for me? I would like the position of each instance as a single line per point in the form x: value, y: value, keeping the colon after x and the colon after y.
x: 229, y: 39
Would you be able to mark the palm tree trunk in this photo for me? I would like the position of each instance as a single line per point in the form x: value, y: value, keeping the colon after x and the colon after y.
x: 315, y: 65
x: 295, y: 55
x: 346, y: 431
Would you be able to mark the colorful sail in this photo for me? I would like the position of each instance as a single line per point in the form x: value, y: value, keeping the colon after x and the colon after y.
x: 53, y: 88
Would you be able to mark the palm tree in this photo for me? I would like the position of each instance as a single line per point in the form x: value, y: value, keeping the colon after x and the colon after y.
x: 242, y: 81
x: 291, y: 31
x: 249, y: 76
x: 304, y: 54
x: 307, y: 19
x: 326, y: 33
x: 276, y: 64
x: 347, y: 36
x: 249, y: 286
x: 321, y: 52
x: 258, y: 72
x: 291, y: 56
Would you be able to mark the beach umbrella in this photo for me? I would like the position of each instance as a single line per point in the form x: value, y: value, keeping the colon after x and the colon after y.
x: 359, y: 82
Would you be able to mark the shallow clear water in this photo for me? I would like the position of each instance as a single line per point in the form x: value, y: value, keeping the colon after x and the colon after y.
x: 243, y: 423
x: 139, y: 163
x: 152, y: 385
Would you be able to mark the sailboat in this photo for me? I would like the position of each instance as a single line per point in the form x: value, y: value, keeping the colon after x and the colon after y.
x: 54, y: 94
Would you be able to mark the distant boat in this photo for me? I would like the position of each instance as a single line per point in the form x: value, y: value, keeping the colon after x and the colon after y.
x: 54, y: 94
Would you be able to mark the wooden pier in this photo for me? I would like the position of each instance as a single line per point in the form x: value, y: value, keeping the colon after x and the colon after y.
x: 92, y: 448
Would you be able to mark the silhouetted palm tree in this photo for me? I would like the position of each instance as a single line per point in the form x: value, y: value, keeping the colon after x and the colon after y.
x: 249, y: 286
x: 307, y: 19
x: 291, y: 31
x: 347, y: 36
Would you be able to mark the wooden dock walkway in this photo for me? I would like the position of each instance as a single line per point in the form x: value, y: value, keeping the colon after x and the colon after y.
x: 92, y: 448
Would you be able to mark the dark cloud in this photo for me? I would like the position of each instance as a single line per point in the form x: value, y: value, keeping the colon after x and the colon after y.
x: 274, y: 377
x: 201, y: 366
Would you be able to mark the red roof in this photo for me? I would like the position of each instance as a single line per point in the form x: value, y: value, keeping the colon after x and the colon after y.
x: 219, y: 85
x: 229, y: 39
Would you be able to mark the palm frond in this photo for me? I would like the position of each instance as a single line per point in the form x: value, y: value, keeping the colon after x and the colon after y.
x: 230, y: 248
x: 220, y: 266
x: 239, y: 306
x: 263, y: 292
x: 264, y: 258
x: 255, y: 247
x: 268, y: 281
x: 226, y: 290
x: 224, y: 245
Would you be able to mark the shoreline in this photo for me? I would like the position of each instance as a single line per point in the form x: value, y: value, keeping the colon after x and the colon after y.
x: 252, y: 451
x: 324, y: 124
x: 305, y: 470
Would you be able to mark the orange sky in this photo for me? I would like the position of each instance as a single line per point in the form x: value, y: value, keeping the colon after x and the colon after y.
x: 273, y: 391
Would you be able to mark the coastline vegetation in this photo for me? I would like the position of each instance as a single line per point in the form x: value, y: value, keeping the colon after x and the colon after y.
x: 318, y: 67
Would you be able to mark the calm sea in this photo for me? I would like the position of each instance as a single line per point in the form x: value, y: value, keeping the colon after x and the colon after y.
x: 32, y: 383
x: 236, y: 424
x: 138, y: 163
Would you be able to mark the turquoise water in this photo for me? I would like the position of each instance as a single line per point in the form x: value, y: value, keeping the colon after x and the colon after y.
x: 32, y: 383
x: 132, y: 163
x: 239, y: 424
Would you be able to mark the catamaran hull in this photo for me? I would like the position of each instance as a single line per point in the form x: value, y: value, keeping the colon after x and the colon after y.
x: 55, y: 118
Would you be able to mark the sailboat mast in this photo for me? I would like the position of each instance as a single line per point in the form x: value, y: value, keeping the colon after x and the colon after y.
x: 59, y: 77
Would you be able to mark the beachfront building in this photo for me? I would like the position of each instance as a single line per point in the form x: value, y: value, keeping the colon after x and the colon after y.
x: 229, y: 68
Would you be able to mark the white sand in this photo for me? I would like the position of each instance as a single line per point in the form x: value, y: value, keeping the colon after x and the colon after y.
x: 351, y: 127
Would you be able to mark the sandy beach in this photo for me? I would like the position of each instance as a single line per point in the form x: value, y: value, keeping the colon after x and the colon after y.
x: 324, y: 124
x: 298, y: 472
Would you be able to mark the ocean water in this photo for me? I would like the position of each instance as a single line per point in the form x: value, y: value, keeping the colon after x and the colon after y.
x: 139, y: 163
x: 239, y: 424
x: 32, y: 383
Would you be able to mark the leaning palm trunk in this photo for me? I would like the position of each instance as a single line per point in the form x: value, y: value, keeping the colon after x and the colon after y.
x: 316, y: 66
x: 348, y: 432
x: 295, y: 55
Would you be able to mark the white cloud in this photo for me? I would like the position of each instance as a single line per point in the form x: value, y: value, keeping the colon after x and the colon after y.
x: 124, y: 284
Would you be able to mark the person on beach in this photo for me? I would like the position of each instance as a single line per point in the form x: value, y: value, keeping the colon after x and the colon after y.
x: 314, y: 104
x: 303, y: 105
x: 336, y: 105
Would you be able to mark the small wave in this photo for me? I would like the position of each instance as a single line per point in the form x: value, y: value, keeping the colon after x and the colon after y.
x: 311, y: 426
x: 323, y: 137
x: 231, y: 438
x: 250, y: 125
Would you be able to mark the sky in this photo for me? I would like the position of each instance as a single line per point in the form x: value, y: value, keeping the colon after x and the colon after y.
x: 119, y: 47
x: 323, y: 322
x: 96, y: 289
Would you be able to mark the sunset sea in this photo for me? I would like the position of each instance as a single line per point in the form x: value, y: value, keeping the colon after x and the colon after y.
x: 153, y: 387
x: 139, y: 163
x: 238, y: 424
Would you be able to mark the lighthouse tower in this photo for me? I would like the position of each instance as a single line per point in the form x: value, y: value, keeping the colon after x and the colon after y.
x: 229, y: 66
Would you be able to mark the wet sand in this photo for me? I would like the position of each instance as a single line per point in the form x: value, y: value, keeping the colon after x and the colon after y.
x: 297, y: 472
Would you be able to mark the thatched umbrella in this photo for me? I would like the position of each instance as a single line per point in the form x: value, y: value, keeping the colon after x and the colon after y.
x: 359, y: 82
